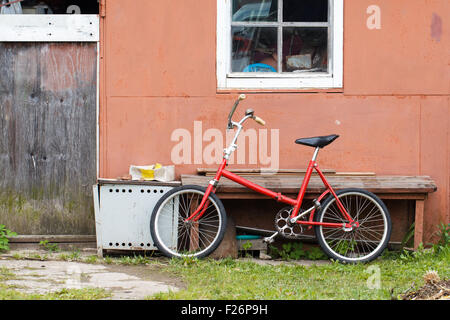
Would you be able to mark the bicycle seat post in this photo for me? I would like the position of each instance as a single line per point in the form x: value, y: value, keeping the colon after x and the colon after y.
x: 316, y: 152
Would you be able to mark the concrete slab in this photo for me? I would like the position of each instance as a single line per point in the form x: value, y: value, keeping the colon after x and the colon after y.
x: 48, y: 276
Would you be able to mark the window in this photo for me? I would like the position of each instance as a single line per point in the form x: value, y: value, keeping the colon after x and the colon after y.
x: 49, y: 21
x: 279, y: 44
x: 50, y: 7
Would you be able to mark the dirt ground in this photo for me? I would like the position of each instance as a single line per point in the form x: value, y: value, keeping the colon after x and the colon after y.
x: 126, y: 282
x: 430, y: 291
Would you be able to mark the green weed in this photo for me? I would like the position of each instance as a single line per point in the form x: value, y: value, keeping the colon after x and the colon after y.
x: 8, y: 293
x: 444, y: 238
x: 134, y: 260
x: 51, y: 247
x: 4, y: 235
x: 295, y: 251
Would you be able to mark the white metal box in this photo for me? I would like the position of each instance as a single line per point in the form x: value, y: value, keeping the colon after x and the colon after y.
x: 122, y: 213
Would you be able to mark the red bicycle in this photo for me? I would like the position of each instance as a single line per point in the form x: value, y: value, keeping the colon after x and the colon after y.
x: 351, y: 225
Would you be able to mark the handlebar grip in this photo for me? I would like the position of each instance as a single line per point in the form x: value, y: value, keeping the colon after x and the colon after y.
x: 242, y: 97
x: 259, y: 121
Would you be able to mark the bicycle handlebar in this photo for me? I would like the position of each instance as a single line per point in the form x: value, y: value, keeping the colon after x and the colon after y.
x: 259, y: 120
x: 248, y: 114
x: 240, y: 98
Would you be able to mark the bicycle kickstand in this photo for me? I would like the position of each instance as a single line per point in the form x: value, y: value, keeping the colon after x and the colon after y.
x: 270, y: 239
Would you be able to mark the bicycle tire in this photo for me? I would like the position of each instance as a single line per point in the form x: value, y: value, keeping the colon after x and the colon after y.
x: 190, y: 239
x: 374, y: 231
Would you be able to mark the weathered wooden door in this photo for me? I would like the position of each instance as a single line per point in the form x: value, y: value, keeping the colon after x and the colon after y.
x: 48, y: 137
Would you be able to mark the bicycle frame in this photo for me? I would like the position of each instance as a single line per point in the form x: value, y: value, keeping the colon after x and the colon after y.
x: 296, y: 203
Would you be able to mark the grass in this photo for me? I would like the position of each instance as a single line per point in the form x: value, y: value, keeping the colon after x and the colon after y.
x: 233, y: 279
x: 77, y: 294
x: 6, y: 274
x: 385, y: 278
x: 51, y: 247
x: 9, y: 293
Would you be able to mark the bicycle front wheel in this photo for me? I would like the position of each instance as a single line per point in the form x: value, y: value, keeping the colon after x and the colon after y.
x: 175, y: 236
x: 359, y: 244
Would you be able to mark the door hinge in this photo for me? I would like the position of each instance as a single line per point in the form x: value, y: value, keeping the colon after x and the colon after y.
x: 102, y: 8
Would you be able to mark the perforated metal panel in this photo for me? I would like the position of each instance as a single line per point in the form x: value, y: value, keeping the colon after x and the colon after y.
x: 123, y: 214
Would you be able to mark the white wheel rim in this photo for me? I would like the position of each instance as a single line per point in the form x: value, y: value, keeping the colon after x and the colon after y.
x: 381, y: 241
x: 158, y: 217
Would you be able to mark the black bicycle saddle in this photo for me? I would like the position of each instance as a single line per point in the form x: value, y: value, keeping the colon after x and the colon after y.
x: 317, y: 142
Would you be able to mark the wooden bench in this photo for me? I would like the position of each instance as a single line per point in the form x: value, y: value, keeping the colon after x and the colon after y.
x: 415, y: 188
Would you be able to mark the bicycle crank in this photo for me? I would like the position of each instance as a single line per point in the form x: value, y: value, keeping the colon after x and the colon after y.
x: 285, y: 227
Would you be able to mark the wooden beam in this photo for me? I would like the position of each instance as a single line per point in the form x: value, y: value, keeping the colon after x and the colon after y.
x: 104, y: 181
x: 52, y: 238
x: 418, y: 229
x: 310, y: 195
x: 256, y: 171
x: 291, y: 185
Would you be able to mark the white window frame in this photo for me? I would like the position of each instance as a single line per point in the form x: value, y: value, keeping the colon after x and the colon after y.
x: 227, y: 80
x: 49, y: 28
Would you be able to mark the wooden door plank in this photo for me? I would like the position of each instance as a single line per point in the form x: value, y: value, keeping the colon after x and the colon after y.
x: 48, y: 137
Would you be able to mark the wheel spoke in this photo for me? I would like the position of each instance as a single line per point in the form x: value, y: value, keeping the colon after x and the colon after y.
x: 175, y: 236
x: 362, y: 242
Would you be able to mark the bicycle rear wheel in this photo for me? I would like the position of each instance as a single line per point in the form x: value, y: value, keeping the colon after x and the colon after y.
x: 176, y: 237
x: 363, y: 243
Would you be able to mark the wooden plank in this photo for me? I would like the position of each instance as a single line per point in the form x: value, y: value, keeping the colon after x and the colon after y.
x: 258, y: 171
x: 310, y: 195
x: 49, y: 28
x: 376, y: 184
x: 355, y: 173
x: 253, y: 244
x: 48, y: 137
x: 52, y: 238
x: 418, y: 225
x: 402, y: 196
x: 292, y: 172
x: 103, y: 181
x: 69, y: 246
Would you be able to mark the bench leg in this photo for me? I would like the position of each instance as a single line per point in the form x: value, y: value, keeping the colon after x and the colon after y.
x: 418, y: 230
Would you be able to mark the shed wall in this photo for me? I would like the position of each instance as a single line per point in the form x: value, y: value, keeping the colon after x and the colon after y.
x: 158, y: 71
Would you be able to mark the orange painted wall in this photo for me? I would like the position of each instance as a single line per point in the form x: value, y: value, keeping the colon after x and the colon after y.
x: 158, y: 74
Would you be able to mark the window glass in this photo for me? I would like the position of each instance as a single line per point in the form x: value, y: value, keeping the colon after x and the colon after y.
x: 299, y: 36
x: 305, y: 49
x: 305, y: 10
x: 255, y: 10
x: 254, y: 49
x: 59, y: 6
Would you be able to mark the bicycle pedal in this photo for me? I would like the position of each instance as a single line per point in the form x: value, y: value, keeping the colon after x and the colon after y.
x: 268, y: 240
